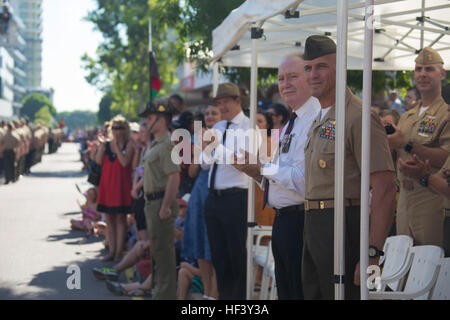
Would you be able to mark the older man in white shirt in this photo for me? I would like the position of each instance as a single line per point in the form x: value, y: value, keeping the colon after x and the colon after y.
x: 226, y: 205
x: 283, y: 180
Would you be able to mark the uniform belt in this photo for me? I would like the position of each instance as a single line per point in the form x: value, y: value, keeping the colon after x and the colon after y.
x: 328, y: 204
x: 154, y: 196
x: 291, y: 209
x: 227, y: 191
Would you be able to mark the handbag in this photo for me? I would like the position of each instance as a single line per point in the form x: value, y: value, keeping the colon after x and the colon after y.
x: 95, y: 174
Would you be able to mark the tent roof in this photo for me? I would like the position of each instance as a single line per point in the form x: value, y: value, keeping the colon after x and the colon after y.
x: 396, y: 41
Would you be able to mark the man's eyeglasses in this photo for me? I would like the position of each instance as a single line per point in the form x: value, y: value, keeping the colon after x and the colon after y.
x: 118, y: 128
x: 271, y: 114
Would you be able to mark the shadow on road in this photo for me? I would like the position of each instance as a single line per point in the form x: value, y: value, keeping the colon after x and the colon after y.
x: 61, y: 283
x: 78, y: 236
x: 59, y: 174
x: 71, y: 213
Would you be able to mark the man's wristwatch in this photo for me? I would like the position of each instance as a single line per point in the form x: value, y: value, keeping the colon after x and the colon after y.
x: 409, y: 146
x: 374, y: 252
x: 424, y: 180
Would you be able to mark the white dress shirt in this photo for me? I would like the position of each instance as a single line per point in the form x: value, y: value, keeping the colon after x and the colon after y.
x: 228, y: 176
x: 286, y: 173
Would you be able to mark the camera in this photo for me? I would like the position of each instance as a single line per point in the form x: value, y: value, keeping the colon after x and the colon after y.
x: 389, y: 129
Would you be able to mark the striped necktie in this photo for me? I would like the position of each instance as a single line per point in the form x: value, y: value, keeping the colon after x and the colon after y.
x: 214, y: 169
x: 288, y: 132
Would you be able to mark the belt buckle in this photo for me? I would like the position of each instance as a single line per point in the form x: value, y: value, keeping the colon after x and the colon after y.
x: 321, y: 205
x: 306, y: 205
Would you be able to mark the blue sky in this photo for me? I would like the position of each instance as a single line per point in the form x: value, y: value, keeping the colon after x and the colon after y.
x: 66, y: 37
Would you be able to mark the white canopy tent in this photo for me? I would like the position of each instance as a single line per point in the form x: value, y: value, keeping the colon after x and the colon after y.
x: 397, y: 38
x: 260, y: 33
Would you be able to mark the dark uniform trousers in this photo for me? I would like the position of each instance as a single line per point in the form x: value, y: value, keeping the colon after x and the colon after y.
x: 1, y: 165
x: 9, y: 158
x: 447, y: 233
x: 287, y: 246
x: 226, y: 224
x: 318, y: 254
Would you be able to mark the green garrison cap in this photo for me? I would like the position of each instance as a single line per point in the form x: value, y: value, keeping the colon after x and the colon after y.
x: 317, y: 46
x: 429, y: 56
x: 159, y: 106
x: 446, y: 93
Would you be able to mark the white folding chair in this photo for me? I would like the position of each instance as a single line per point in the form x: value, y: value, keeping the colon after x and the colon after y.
x: 395, y: 262
x: 259, y: 252
x: 422, y: 275
x: 441, y: 290
x: 268, y: 275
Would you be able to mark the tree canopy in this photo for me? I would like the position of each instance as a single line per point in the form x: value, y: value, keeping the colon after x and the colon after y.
x: 78, y: 119
x: 32, y: 103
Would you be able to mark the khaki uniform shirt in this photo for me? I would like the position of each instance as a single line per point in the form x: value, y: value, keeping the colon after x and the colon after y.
x: 430, y: 130
x: 10, y: 140
x: 447, y: 166
x: 320, y: 152
x: 158, y: 165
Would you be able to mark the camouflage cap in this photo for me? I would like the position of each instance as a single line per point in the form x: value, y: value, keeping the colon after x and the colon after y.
x: 227, y: 89
x: 446, y: 93
x: 317, y: 46
x: 429, y: 56
x: 159, y: 106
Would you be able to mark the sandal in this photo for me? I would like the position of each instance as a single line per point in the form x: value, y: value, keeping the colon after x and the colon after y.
x: 139, y: 293
x: 116, y: 288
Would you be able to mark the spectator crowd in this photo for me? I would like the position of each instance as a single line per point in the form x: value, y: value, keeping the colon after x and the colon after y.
x: 183, y: 227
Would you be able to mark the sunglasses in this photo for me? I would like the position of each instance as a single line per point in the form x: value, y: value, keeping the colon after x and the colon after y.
x: 118, y: 128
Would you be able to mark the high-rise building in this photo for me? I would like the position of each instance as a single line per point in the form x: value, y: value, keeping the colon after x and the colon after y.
x: 30, y: 12
x: 23, y: 42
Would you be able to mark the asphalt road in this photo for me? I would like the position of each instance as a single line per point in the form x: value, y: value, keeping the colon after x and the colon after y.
x: 37, y: 246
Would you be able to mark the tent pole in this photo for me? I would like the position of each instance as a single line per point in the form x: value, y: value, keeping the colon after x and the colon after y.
x: 365, y: 167
x: 341, y: 84
x: 251, y: 186
x: 422, y: 32
x: 215, y: 78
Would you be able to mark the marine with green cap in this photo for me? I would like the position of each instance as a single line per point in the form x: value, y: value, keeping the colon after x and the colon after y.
x: 423, y: 131
x: 318, y: 276
x: 161, y: 182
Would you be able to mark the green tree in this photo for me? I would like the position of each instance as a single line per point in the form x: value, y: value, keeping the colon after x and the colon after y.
x: 43, y: 116
x: 104, y: 113
x: 122, y: 62
x: 78, y: 119
x: 32, y: 103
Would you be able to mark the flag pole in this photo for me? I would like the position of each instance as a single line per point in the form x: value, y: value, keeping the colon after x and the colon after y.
x: 150, y: 50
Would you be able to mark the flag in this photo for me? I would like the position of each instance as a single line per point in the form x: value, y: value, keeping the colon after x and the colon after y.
x: 154, y: 75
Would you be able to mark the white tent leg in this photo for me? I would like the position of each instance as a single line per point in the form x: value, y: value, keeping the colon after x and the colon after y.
x: 341, y: 84
x: 365, y: 166
x: 251, y: 187
x: 215, y: 78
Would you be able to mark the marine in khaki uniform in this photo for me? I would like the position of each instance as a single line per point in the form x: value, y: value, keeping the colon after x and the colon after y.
x: 423, y: 131
x: 10, y: 146
x: 421, y: 172
x: 318, y: 240
x: 161, y: 182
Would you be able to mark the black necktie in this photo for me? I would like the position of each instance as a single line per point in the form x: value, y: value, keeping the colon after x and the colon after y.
x: 288, y: 132
x: 214, y: 169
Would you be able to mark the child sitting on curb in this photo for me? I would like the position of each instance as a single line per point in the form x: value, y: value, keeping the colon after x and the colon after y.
x: 90, y: 213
